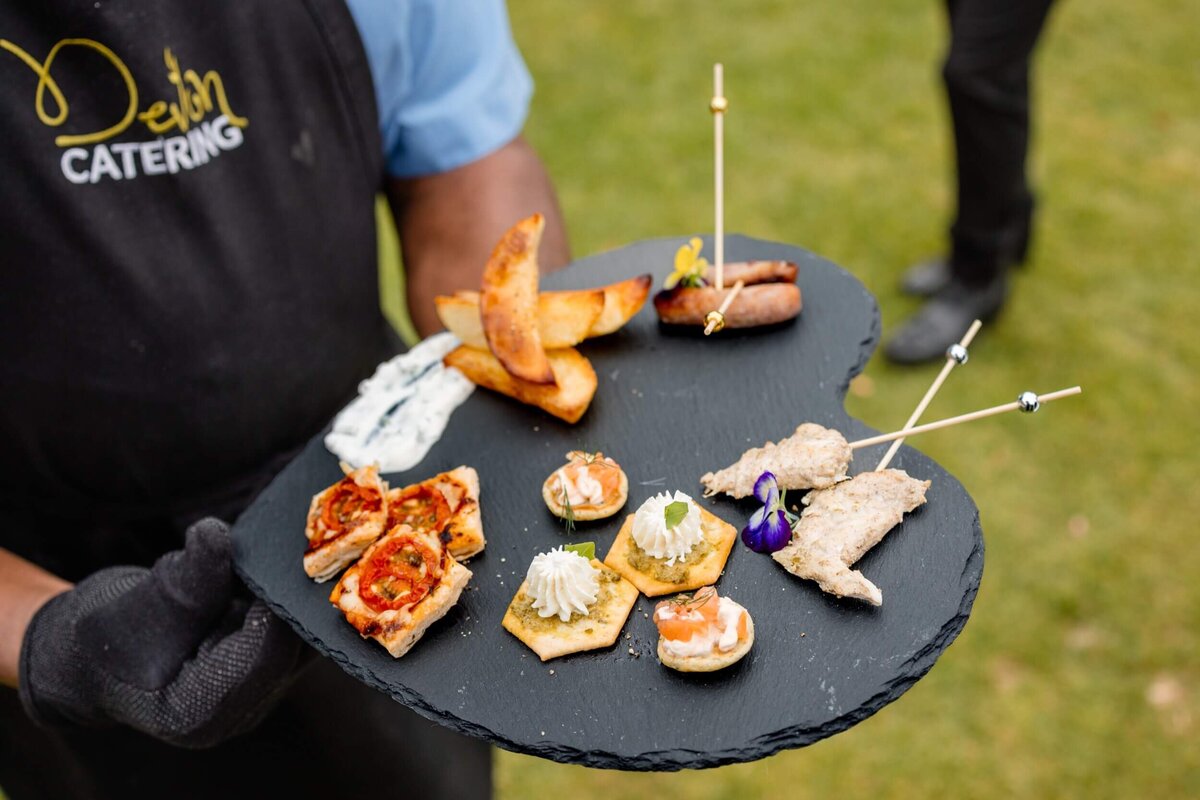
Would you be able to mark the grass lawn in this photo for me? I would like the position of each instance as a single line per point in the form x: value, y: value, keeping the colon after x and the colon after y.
x: 1078, y: 674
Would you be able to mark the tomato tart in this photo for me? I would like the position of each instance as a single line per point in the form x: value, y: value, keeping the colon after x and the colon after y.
x: 343, y: 520
x: 447, y: 503
x: 404, y: 583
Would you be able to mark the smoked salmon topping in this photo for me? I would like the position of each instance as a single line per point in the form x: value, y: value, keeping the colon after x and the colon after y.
x: 685, y: 616
x: 586, y: 472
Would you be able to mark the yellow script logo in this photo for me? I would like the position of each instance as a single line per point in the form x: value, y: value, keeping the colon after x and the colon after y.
x: 196, y: 97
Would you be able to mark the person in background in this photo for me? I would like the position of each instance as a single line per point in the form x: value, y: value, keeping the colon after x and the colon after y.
x: 189, y: 293
x: 987, y: 83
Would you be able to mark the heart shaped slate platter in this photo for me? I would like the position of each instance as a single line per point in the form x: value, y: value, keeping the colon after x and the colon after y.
x: 669, y: 407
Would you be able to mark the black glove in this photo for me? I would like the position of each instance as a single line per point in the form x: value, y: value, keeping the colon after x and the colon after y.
x: 174, y: 651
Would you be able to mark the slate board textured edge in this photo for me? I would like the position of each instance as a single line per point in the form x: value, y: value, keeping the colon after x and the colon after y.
x: 674, y: 760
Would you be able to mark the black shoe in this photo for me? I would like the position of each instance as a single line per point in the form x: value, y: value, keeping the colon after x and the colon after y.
x: 943, y: 320
x: 926, y: 278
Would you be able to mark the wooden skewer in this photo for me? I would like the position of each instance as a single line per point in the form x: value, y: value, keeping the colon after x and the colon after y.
x: 953, y: 359
x: 718, y: 106
x: 946, y: 423
x: 715, y: 321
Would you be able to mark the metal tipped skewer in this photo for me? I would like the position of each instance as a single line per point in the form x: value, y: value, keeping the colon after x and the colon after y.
x: 955, y: 354
x: 1026, y: 401
x: 715, y: 320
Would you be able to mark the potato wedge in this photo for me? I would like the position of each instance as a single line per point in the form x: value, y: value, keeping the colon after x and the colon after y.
x: 568, y: 400
x: 459, y: 312
x: 564, y: 318
x: 508, y: 303
x: 568, y: 317
x: 621, y: 301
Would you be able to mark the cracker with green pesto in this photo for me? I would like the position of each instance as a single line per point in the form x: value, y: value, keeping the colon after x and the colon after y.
x: 568, y: 603
x: 671, y: 544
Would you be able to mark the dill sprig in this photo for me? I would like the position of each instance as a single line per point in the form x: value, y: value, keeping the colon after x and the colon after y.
x: 587, y: 459
x: 696, y: 598
x: 568, y: 511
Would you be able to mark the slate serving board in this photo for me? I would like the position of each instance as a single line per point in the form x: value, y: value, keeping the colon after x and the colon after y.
x: 669, y: 407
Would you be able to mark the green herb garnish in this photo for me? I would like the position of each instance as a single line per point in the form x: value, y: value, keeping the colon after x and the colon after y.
x: 675, y: 512
x: 568, y: 511
x: 697, y: 598
x: 588, y: 457
x: 585, y: 549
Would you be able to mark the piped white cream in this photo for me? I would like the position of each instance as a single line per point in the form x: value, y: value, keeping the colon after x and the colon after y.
x: 651, y: 533
x: 562, y: 583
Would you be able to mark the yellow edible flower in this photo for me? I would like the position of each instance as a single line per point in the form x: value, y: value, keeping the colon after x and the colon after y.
x: 689, y: 266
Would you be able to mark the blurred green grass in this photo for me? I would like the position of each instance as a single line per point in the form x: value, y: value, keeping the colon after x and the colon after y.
x: 1077, y: 675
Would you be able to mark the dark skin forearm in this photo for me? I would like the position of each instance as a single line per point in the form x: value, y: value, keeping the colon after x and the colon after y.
x: 449, y: 223
x: 24, y: 588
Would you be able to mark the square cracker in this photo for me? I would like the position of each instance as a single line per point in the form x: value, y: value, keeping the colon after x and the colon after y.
x: 701, y: 567
x: 550, y: 637
x: 399, y: 629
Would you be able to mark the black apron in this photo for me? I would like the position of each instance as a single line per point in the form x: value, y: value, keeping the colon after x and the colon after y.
x: 188, y: 292
x: 188, y: 286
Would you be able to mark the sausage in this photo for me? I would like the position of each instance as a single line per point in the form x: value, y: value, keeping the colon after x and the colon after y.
x: 758, y: 304
x: 754, y: 272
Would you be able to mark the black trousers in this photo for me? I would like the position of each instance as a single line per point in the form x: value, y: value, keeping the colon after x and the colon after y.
x: 986, y: 73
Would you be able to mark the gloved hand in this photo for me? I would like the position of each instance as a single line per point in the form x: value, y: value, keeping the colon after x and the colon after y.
x: 172, y: 651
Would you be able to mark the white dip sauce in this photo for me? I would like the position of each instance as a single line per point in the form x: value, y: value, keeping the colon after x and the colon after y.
x: 402, y: 409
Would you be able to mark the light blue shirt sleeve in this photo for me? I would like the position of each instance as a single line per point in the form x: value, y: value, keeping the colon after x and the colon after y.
x: 450, y: 84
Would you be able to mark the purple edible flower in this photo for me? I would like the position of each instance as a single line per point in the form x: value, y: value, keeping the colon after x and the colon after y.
x: 766, y: 488
x: 770, y: 527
